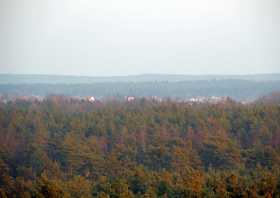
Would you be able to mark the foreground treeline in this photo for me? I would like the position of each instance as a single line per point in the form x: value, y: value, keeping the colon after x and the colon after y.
x: 60, y: 148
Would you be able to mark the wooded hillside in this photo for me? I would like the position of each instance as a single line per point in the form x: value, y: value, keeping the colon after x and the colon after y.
x: 64, y: 148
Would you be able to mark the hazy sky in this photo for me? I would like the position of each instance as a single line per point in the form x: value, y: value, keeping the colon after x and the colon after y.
x: 122, y: 37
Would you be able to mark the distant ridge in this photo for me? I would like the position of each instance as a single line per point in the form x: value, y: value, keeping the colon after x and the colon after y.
x: 239, y: 87
x: 68, y: 79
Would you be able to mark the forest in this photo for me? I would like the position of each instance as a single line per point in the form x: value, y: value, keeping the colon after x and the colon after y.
x: 238, y: 87
x: 240, y: 90
x: 68, y: 148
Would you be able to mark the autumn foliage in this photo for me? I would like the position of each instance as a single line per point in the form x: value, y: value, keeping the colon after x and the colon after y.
x: 68, y: 148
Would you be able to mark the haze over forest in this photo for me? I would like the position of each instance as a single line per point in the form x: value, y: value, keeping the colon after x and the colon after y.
x: 140, y: 99
x: 241, y: 88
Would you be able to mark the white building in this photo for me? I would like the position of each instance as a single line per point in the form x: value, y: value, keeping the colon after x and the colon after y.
x: 91, y: 99
x: 130, y: 98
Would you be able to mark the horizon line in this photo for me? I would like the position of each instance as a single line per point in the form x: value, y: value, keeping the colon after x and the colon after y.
x: 137, y: 75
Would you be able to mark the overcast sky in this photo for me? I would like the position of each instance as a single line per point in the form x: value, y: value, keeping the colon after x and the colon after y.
x: 123, y: 37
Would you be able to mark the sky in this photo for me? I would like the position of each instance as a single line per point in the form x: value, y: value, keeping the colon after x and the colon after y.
x: 128, y: 37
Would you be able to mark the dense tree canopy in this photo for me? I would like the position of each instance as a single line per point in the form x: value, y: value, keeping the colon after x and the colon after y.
x: 67, y: 148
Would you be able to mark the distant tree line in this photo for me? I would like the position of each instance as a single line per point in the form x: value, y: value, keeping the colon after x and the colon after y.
x: 236, y: 89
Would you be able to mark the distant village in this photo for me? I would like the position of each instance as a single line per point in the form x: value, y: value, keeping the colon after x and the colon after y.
x: 129, y: 99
